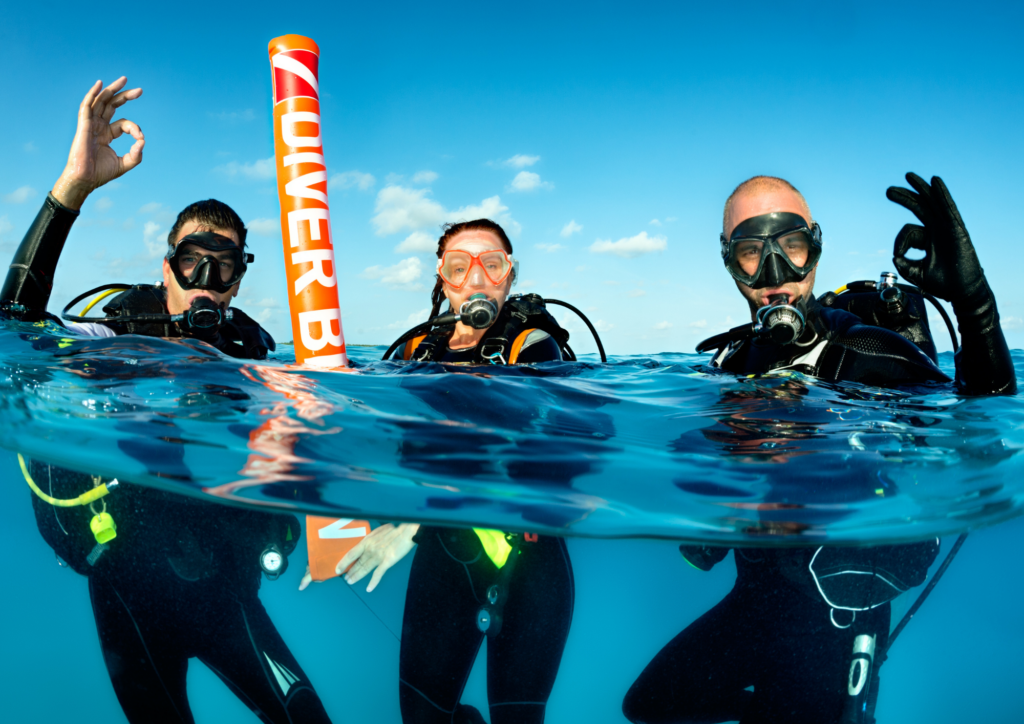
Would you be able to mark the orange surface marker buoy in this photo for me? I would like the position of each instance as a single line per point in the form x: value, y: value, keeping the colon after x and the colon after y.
x: 309, y: 256
x: 333, y: 539
x: 305, y: 214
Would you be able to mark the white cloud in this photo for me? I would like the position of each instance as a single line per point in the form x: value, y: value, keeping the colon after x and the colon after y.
x: 636, y: 293
x: 20, y: 195
x: 522, y: 161
x: 151, y: 208
x: 529, y: 181
x: 264, y: 227
x: 663, y: 325
x: 602, y: 326
x: 400, y: 208
x: 1005, y: 322
x: 630, y: 247
x: 571, y: 228
x: 418, y: 242
x: 352, y: 179
x: 424, y: 177
x: 412, y: 320
x: 654, y: 222
x: 103, y: 203
x: 403, y: 275
x: 699, y: 324
x: 549, y: 247
x: 526, y: 284
x: 155, y: 239
x: 260, y: 170
x: 29, y: 147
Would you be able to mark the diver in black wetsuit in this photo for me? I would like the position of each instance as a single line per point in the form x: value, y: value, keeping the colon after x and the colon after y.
x: 170, y: 577
x: 519, y: 588
x: 790, y: 625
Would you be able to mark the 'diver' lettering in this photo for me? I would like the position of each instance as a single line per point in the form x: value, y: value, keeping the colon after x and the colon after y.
x: 313, y: 217
x: 289, y: 136
x: 325, y: 319
x: 300, y: 187
x: 317, y: 273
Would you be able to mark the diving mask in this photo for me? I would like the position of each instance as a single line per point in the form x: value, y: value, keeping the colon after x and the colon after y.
x: 456, y: 266
x: 206, y: 260
x: 772, y: 249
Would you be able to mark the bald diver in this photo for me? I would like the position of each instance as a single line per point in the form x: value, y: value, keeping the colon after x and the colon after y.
x: 793, y: 639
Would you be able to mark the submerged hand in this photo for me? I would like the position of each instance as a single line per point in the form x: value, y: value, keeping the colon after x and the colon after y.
x: 91, y: 161
x: 950, y: 268
x: 380, y: 550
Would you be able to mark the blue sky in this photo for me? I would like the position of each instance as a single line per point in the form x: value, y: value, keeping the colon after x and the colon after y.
x: 605, y: 136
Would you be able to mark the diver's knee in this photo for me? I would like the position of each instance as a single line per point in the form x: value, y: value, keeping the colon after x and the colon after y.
x: 418, y: 709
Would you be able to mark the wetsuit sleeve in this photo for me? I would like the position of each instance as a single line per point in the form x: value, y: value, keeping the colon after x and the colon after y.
x: 703, y: 557
x: 545, y: 349
x: 983, y: 363
x: 877, y: 356
x: 30, y: 277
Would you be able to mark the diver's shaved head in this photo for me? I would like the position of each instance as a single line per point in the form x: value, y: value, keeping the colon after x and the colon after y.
x: 762, y: 195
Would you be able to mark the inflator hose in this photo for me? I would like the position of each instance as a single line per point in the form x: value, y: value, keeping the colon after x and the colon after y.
x: 84, y: 499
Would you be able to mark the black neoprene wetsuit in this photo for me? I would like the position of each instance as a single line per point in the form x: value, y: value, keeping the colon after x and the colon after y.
x: 774, y: 631
x: 447, y: 585
x: 181, y: 579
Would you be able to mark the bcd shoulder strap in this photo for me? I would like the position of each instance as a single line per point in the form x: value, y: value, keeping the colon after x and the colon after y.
x: 141, y: 299
x: 502, y: 342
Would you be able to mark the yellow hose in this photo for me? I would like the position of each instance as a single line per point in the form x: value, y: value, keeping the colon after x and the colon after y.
x: 841, y: 289
x: 83, y: 499
x: 98, y: 298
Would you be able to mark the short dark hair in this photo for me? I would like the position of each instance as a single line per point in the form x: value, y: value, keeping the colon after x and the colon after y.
x: 450, y: 230
x: 210, y: 213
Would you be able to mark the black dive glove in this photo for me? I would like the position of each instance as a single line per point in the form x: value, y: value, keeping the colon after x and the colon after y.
x: 950, y: 270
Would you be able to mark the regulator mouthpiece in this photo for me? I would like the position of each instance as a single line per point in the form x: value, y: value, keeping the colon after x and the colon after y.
x: 203, y: 316
x: 780, y: 321
x: 479, y: 312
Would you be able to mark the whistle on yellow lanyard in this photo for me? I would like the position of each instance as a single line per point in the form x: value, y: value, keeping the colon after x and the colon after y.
x: 102, y: 523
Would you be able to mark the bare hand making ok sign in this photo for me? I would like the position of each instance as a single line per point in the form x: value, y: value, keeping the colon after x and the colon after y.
x: 92, y: 162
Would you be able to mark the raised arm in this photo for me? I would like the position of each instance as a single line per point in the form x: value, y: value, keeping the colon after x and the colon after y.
x: 91, y: 163
x: 950, y: 270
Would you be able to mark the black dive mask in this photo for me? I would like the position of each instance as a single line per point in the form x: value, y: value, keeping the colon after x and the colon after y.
x: 772, y: 249
x: 206, y: 260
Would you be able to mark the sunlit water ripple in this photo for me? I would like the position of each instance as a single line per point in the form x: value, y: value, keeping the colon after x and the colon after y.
x: 655, y: 446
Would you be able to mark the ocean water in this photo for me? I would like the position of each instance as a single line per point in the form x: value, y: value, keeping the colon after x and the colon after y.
x: 625, y: 459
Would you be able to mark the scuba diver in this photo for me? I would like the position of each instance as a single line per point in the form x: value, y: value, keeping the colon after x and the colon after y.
x: 170, y: 577
x: 465, y: 584
x: 806, y: 628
